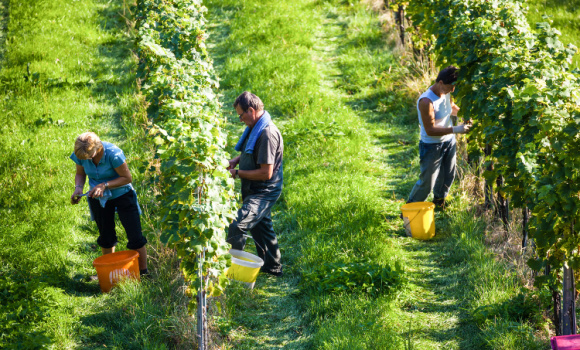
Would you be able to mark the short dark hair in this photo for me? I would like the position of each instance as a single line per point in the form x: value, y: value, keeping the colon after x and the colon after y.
x: 247, y: 100
x: 448, y: 75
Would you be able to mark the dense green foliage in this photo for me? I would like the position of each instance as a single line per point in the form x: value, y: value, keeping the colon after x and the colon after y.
x: 178, y: 81
x: 516, y: 85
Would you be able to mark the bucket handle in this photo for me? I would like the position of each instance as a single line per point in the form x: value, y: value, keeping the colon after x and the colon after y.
x: 248, y: 236
x: 408, y: 226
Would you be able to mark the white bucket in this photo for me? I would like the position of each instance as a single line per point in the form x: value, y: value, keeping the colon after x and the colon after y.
x: 245, y: 267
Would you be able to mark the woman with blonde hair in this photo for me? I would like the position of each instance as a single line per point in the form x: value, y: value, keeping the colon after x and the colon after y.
x: 110, y: 190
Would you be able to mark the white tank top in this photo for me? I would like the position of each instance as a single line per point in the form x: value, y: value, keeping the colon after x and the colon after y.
x: 442, y: 108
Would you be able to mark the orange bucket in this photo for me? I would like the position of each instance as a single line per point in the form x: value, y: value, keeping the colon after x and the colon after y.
x: 113, y: 268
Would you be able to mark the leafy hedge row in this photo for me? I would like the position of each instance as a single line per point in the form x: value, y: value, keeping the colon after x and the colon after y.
x: 196, y: 199
x: 516, y: 85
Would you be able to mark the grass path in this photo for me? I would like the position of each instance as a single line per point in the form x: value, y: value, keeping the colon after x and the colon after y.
x: 68, y: 69
x: 271, y: 313
x: 429, y: 313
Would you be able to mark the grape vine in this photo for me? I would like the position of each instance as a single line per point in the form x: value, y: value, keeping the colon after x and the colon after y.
x: 196, y: 202
x: 516, y: 85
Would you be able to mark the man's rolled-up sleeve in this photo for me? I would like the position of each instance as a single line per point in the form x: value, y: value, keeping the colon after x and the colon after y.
x: 267, y: 148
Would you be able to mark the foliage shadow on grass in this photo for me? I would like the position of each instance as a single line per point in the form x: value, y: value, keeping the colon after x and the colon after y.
x: 262, y: 310
x: 399, y: 156
x: 448, y: 269
x: 95, y: 335
x: 115, y: 52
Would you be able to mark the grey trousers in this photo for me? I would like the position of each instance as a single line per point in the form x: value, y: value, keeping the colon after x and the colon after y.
x: 254, y: 217
x: 438, y: 166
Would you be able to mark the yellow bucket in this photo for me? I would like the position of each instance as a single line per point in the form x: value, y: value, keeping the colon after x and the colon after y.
x: 419, y: 219
x: 114, y: 267
x: 245, y: 267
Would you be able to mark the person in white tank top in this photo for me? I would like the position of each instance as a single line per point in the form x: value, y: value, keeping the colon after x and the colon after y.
x: 437, y: 148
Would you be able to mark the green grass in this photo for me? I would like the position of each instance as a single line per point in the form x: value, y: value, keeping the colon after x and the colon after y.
x: 69, y: 67
x: 565, y: 16
x: 345, y: 108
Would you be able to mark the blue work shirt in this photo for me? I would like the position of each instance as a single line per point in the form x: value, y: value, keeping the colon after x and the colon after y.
x: 105, y: 170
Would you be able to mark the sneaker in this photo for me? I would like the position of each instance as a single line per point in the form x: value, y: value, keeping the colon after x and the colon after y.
x: 277, y: 273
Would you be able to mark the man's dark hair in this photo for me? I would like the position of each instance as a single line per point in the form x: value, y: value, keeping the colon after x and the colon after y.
x: 448, y: 75
x: 247, y: 100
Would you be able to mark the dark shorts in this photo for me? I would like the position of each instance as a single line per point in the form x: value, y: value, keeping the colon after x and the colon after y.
x: 126, y: 206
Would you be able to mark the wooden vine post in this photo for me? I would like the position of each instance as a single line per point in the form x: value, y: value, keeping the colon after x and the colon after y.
x: 400, y: 18
x: 503, y: 207
x: 202, y: 330
x: 568, y: 314
x: 525, y: 214
x: 416, y: 39
x: 488, y: 184
x: 556, y: 304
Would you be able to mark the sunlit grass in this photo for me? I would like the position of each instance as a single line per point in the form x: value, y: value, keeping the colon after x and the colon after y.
x: 564, y: 16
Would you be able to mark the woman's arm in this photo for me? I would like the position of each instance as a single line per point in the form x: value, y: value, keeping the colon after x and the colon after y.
x: 123, y: 179
x: 80, y: 179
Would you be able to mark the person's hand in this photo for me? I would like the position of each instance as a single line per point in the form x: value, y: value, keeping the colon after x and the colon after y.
x: 233, y: 173
x: 461, y: 129
x: 233, y: 163
x: 97, y: 191
x: 454, y: 110
x: 75, y: 198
